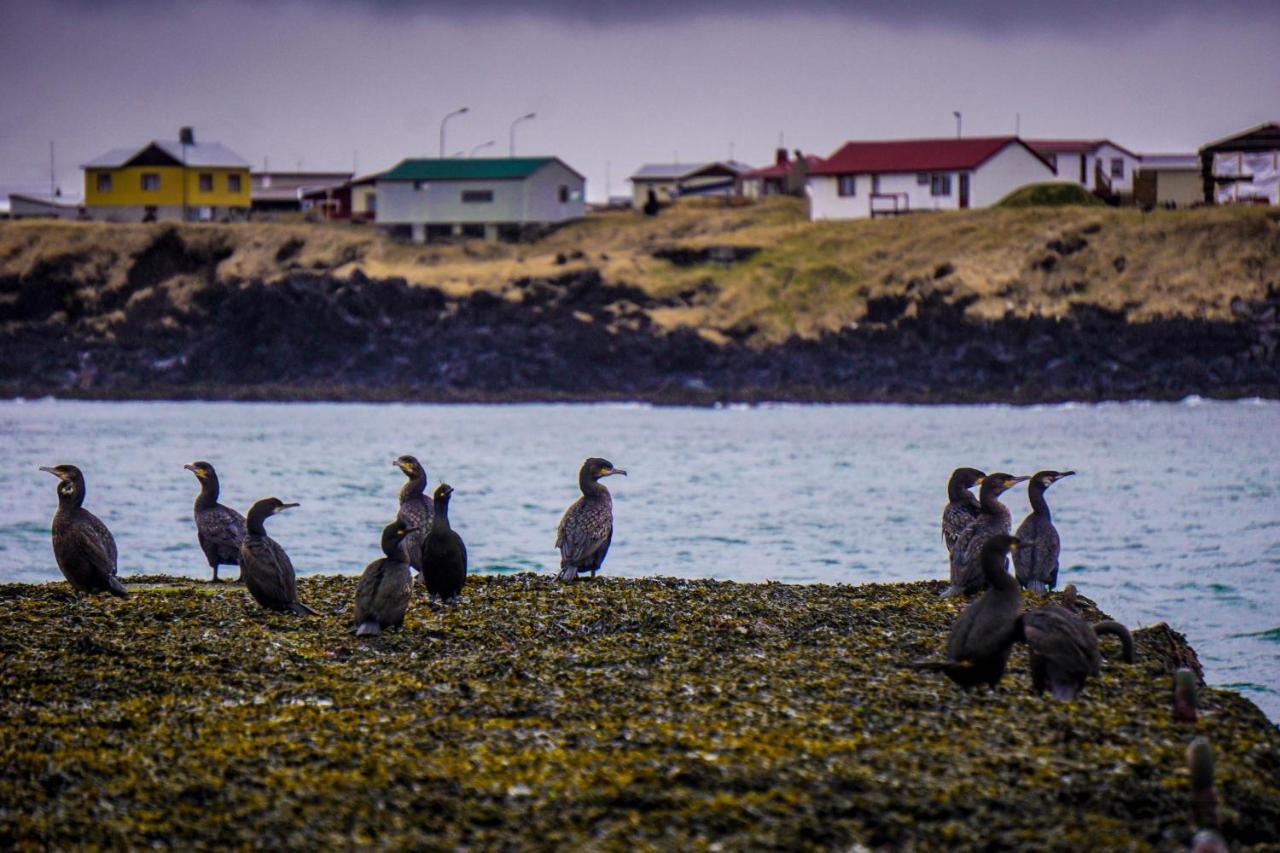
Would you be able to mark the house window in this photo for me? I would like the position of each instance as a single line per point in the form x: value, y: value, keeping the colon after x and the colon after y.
x: 150, y: 182
x: 875, y: 184
x: 848, y: 185
x: 419, y: 185
x: 922, y: 179
x: 1117, y: 167
x: 939, y: 185
x: 206, y: 182
x: 564, y: 194
x: 104, y: 183
x: 233, y: 183
x: 477, y: 196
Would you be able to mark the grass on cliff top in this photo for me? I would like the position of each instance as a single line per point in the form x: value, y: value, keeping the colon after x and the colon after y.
x: 610, y: 715
x: 1055, y: 194
x: 808, y: 278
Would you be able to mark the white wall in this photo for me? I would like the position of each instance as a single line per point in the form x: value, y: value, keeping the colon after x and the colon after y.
x: 534, y: 199
x: 1122, y: 185
x: 1013, y: 167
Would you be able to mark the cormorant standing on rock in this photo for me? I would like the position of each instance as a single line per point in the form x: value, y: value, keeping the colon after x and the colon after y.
x: 265, y: 567
x: 82, y: 544
x: 384, y: 590
x: 444, y: 556
x: 415, y: 509
x: 587, y: 526
x: 993, y: 520
x: 220, y: 529
x: 1036, y: 564
x: 962, y: 507
x: 1064, y: 648
x: 985, y: 632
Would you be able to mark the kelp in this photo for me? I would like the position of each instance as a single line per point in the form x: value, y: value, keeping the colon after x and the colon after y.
x: 607, y: 714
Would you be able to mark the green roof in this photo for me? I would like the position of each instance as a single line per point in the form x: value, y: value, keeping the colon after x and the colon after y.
x: 470, y: 169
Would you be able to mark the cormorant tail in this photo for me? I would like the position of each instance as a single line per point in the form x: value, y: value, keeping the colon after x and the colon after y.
x: 115, y: 587
x: 1035, y: 586
x: 302, y: 609
x: 1119, y: 631
x: 568, y: 573
x: 370, y: 628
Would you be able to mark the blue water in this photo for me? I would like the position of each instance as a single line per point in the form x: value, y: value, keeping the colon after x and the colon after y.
x: 1173, y: 515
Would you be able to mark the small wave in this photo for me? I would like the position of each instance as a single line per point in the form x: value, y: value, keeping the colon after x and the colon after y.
x: 1192, y: 400
x: 1272, y: 635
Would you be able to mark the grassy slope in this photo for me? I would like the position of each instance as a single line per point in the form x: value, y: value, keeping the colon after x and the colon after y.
x: 810, y: 277
x: 610, y: 714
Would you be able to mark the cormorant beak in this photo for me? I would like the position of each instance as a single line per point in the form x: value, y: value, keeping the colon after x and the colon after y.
x: 1013, y: 546
x: 1013, y: 481
x: 613, y: 471
x: 978, y: 482
x: 194, y: 470
x: 54, y: 472
x: 1065, y: 474
x: 283, y: 507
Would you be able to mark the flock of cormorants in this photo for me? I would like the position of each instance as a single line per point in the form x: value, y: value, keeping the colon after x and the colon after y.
x: 976, y: 531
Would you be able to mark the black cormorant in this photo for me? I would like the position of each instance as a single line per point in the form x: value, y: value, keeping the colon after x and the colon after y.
x: 587, y: 527
x: 962, y: 506
x: 986, y: 630
x: 1036, y: 563
x: 1064, y: 648
x: 220, y: 529
x: 444, y: 556
x: 82, y: 544
x: 415, y: 509
x: 265, y: 567
x: 993, y: 520
x: 384, y: 590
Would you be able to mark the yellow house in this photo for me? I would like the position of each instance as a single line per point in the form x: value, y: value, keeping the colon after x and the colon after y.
x: 202, y: 181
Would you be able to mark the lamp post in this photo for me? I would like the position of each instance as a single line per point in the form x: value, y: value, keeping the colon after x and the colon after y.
x: 956, y: 113
x: 456, y: 112
x: 480, y: 147
x: 511, y: 149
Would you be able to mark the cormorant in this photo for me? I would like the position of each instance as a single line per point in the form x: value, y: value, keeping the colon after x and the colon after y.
x: 962, y: 507
x: 587, y: 526
x: 220, y: 529
x: 1036, y: 564
x: 444, y: 556
x: 1064, y: 648
x: 986, y: 630
x: 265, y: 567
x: 993, y: 520
x: 82, y: 544
x: 384, y: 590
x: 415, y: 509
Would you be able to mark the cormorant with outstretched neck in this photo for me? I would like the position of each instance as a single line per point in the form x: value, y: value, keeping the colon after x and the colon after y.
x: 1037, y: 564
x: 82, y: 544
x: 219, y: 529
x: 993, y: 520
x: 962, y: 507
x: 587, y: 526
x: 985, y: 632
x: 265, y: 567
x: 384, y: 590
x: 444, y: 555
x: 415, y: 509
x: 1064, y: 648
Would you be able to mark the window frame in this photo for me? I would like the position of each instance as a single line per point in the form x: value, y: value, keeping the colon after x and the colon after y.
x: 234, y: 184
x: 104, y: 182
x: 477, y: 196
x: 152, y: 178
x: 940, y: 185
x: 1117, y: 168
x: 849, y: 189
x: 204, y: 182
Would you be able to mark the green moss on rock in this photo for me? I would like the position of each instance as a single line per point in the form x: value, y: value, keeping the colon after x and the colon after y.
x: 610, y: 714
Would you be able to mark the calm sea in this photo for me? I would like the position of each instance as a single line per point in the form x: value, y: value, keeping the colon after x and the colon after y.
x: 1174, y: 514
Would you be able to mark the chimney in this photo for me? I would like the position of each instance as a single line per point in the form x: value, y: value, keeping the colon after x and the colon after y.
x: 780, y: 157
x: 187, y: 136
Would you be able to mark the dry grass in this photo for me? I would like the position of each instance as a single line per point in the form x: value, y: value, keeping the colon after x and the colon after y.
x: 807, y: 278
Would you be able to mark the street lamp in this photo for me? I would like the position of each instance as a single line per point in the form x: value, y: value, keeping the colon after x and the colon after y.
x: 479, y: 147
x: 957, y: 115
x: 456, y: 112
x: 511, y: 150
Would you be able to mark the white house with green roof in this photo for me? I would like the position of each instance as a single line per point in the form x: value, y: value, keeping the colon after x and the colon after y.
x: 486, y: 197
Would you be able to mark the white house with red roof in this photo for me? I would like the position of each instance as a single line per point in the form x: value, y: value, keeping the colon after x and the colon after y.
x: 1098, y: 165
x: 787, y: 176
x: 865, y: 179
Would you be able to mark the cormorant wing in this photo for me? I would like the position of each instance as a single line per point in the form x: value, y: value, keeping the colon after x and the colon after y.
x: 221, y: 525
x: 367, y: 587
x: 1065, y: 639
x: 97, y: 543
x: 586, y: 526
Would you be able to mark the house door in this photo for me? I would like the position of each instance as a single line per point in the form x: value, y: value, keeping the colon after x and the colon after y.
x: 964, y: 191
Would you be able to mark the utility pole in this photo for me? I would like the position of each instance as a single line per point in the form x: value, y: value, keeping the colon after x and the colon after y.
x: 53, y: 172
x: 956, y: 113
x: 511, y: 147
x: 1017, y: 124
x: 444, y: 120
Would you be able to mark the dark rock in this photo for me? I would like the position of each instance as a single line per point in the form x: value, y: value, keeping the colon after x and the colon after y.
x: 1068, y: 245
x: 724, y: 255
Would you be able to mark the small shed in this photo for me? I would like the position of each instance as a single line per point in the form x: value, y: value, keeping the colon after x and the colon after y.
x: 1168, y: 180
x: 669, y: 181
x: 1243, y: 168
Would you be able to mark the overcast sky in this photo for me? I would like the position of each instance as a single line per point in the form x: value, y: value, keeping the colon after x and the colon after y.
x: 325, y: 83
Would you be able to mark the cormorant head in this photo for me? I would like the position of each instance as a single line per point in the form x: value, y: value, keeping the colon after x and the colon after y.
x: 996, y: 547
x: 202, y: 470
x: 409, y: 465
x: 1045, y: 479
x: 967, y: 478
x: 442, y: 493
x: 999, y: 483
x: 66, y: 473
x: 595, y: 468
x: 392, y: 535
x: 270, y: 506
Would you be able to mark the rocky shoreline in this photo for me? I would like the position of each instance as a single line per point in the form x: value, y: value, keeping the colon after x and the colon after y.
x: 606, y: 714
x: 579, y: 337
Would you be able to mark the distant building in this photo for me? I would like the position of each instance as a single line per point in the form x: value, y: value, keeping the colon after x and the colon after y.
x: 1168, y: 180
x: 1243, y: 168
x: 44, y: 206
x: 479, y: 197
x: 786, y: 176
x: 669, y: 181
x: 282, y: 192
x: 865, y: 179
x: 1098, y: 165
x: 202, y: 181
x: 364, y: 198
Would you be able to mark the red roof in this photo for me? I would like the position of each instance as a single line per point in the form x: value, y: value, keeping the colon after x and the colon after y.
x: 780, y: 170
x: 915, y: 155
x: 1072, y: 146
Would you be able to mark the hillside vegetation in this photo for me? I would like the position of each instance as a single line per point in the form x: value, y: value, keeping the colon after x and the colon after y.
x: 759, y: 272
